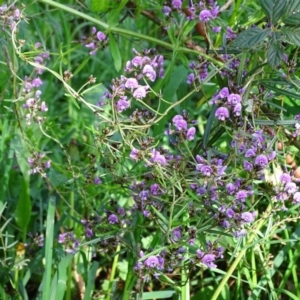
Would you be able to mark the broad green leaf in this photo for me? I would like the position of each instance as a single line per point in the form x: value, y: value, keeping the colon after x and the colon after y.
x: 292, y: 35
x: 115, y: 52
x: 100, y: 5
x: 251, y: 37
x: 292, y: 13
x: 274, y: 54
x: 274, y: 9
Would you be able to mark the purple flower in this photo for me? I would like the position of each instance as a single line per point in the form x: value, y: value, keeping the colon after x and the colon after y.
x: 137, y: 61
x: 113, y: 219
x: 224, y: 93
x: 208, y: 260
x: 230, y: 187
x: 149, y: 72
x: 285, y: 178
x: 205, y: 15
x: 158, y: 158
x: 155, y: 189
x: 206, y: 170
x: 250, y: 153
x: 151, y: 262
x: 215, y: 11
x: 122, y: 104
x: 230, y: 35
x: 134, y: 154
x: 247, y: 217
x: 248, y: 166
x: 140, y: 92
x: 272, y: 155
x: 101, y: 36
x: 36, y: 82
x: 131, y: 83
x: 234, y: 99
x: 261, y: 161
x: 237, y: 109
x: 241, y: 195
x: 217, y: 29
x: 222, y: 113
x: 166, y: 10
x: 296, y: 197
x: 47, y: 164
x: 230, y: 213
x: 176, y: 4
x: 43, y: 106
x: 190, y: 78
x: 291, y: 188
x: 191, y: 133
x: 179, y: 122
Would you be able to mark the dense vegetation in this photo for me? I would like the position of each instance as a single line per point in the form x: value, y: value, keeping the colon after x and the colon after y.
x: 149, y: 149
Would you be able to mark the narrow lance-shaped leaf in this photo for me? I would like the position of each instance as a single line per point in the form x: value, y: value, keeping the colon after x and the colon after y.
x: 115, y: 52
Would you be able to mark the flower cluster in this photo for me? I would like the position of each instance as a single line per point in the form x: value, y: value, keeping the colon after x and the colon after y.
x: 200, y: 71
x: 10, y: 15
x: 182, y: 132
x: 70, y: 242
x: 231, y: 103
x: 97, y: 40
x: 31, y: 91
x: 145, y: 67
x: 38, y: 164
x: 204, y: 11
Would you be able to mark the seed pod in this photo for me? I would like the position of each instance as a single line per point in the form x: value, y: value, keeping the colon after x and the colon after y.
x: 297, y: 172
x: 293, y: 165
x: 289, y: 159
x: 279, y: 145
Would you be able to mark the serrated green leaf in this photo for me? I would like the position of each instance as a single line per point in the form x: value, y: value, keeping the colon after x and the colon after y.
x: 292, y: 13
x: 251, y: 37
x: 273, y: 9
x: 274, y: 55
x: 115, y: 52
x: 292, y: 35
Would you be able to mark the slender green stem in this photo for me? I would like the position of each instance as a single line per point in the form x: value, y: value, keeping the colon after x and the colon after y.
x: 239, y: 257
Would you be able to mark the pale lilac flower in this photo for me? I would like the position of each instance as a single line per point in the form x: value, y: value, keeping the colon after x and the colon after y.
x: 285, y: 178
x: 113, y: 219
x: 233, y: 99
x: 122, y: 104
x: 250, y: 153
x: 230, y: 213
x: 214, y: 11
x: 43, y: 106
x: 291, y: 188
x: 191, y: 133
x: 208, y: 260
x: 137, y: 61
x: 296, y: 197
x: 134, y: 154
x: 237, y: 109
x: 222, y: 113
x: 247, y: 217
x: 166, y: 10
x: 224, y: 93
x: 206, y: 170
x: 131, y: 83
x: 217, y: 29
x: 176, y: 4
x: 47, y: 164
x: 241, y: 195
x: 101, y: 36
x: 36, y: 82
x: 151, y: 262
x: 179, y: 122
x: 272, y: 155
x: 190, y: 78
x: 140, y: 92
x: 149, y: 72
x: 248, y: 166
x: 158, y: 158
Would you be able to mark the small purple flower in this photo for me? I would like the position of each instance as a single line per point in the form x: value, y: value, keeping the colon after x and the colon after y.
x: 233, y: 99
x: 179, y: 122
x: 230, y: 213
x: 43, y: 106
x: 250, y: 153
x: 272, y: 155
x: 131, y: 83
x: 285, y: 178
x: 224, y: 93
x: 176, y: 4
x: 140, y: 92
x: 222, y: 113
x: 261, y: 161
x: 101, y: 36
x: 296, y: 197
x: 230, y: 187
x: 248, y: 166
x: 214, y: 11
x: 137, y: 61
x: 47, y: 164
x: 237, y: 109
x: 291, y: 188
x: 190, y: 78
x: 149, y: 72
x: 36, y: 82
x: 205, y: 15
x: 191, y: 133
x: 247, y: 217
x: 206, y: 170
x: 113, y: 219
x: 166, y: 10
x: 158, y: 158
x: 217, y: 29
x: 208, y: 260
x: 241, y: 195
x: 134, y: 154
x: 122, y: 104
x: 155, y: 189
x: 151, y: 262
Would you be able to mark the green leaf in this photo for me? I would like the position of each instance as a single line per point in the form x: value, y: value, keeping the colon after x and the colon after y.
x: 273, y: 9
x: 292, y: 13
x: 281, y: 91
x: 23, y: 209
x: 99, y: 5
x: 274, y: 53
x: 115, y: 52
x: 292, y: 35
x: 115, y: 14
x: 251, y: 37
